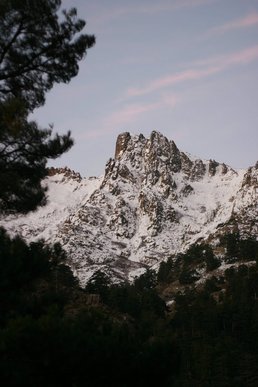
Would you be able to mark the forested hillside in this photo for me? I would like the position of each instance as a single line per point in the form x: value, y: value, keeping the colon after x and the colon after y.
x: 55, y: 333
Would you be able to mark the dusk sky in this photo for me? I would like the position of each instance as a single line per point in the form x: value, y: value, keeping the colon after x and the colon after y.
x: 186, y: 68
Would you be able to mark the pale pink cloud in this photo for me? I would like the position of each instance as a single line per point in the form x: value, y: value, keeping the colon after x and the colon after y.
x: 129, y: 113
x: 170, y: 100
x: 172, y: 79
x: 245, y: 56
x: 120, y: 118
x: 199, y: 70
x: 247, y: 21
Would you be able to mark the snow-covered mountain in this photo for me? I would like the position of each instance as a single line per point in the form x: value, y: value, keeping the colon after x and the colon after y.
x: 153, y: 201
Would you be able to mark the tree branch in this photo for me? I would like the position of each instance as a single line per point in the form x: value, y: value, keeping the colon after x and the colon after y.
x: 8, y: 46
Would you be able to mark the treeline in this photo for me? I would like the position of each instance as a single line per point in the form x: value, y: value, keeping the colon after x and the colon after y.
x: 187, y: 267
x: 190, y: 266
x: 50, y: 336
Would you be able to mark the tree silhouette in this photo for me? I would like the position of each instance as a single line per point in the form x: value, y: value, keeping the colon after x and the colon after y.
x: 39, y: 46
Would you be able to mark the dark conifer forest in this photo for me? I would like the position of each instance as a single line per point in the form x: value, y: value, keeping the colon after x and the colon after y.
x: 55, y: 333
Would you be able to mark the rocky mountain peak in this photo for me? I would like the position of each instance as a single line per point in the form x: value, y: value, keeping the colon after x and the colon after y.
x: 153, y: 202
x: 156, y: 160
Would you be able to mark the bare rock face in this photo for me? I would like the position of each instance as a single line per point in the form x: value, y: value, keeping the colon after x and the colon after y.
x: 251, y: 177
x: 198, y: 170
x: 153, y: 201
x: 121, y: 144
x: 187, y: 190
x: 66, y: 172
x: 213, y: 167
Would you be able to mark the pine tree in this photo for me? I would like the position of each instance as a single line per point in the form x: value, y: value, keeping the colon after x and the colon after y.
x: 38, y: 48
x: 24, y: 151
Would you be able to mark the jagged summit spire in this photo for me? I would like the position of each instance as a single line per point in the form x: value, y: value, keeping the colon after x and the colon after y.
x: 156, y: 139
x: 156, y: 148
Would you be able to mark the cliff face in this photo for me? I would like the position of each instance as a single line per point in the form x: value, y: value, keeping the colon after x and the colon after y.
x: 153, y: 201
